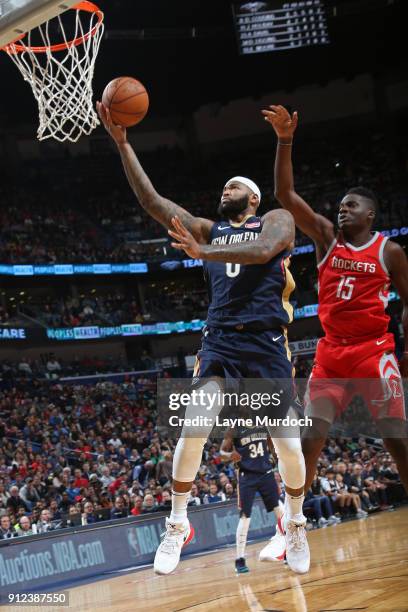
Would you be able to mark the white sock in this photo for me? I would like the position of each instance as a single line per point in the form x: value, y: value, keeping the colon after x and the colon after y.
x: 179, y: 507
x: 241, y: 536
x: 293, y: 508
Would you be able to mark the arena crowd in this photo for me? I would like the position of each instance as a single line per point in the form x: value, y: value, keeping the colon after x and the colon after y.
x: 75, y: 454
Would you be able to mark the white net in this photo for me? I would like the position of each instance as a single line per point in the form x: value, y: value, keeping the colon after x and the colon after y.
x: 58, y: 59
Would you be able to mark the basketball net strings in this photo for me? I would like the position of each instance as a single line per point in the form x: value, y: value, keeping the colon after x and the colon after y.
x: 63, y: 87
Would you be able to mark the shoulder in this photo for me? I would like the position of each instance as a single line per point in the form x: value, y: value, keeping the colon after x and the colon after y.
x: 278, y: 215
x: 393, y: 247
x: 394, y: 256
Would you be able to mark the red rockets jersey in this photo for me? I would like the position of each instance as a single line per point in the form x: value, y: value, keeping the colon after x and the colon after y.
x: 353, y: 290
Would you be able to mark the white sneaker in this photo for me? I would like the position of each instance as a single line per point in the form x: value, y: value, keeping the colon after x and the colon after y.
x: 175, y: 537
x: 323, y: 522
x: 333, y: 520
x: 361, y: 514
x: 276, y: 547
x: 297, y: 548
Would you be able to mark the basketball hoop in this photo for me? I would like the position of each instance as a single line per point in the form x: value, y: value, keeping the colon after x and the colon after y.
x: 61, y: 72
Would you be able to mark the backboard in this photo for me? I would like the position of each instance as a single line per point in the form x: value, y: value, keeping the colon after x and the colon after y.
x: 20, y: 16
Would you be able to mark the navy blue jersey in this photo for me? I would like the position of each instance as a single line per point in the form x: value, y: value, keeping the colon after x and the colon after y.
x: 256, y: 296
x: 252, y: 445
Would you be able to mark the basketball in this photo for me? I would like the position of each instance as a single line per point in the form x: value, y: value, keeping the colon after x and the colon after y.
x: 127, y: 101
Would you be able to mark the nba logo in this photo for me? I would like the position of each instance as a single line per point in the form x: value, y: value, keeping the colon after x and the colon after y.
x: 133, y: 543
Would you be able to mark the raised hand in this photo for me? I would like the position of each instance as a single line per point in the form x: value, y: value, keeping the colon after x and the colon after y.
x: 185, y: 239
x: 282, y: 122
x: 117, y: 132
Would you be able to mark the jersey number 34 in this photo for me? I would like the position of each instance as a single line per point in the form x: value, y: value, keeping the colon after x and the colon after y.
x: 255, y: 450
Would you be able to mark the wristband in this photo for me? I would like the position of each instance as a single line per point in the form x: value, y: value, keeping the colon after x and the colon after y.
x: 285, y: 144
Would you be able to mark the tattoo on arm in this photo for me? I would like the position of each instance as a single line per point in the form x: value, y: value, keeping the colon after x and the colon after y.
x: 161, y: 209
x: 278, y: 233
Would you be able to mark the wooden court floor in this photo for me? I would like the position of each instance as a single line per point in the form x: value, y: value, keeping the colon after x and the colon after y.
x: 360, y: 565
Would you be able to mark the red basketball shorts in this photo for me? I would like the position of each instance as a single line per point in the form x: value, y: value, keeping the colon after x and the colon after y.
x: 369, y: 369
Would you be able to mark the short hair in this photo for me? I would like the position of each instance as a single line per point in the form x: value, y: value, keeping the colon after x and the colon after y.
x: 366, y: 193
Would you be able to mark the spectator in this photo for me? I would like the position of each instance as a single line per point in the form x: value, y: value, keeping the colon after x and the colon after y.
x: 45, y: 524
x: 119, y: 510
x: 79, y: 480
x: 229, y: 491
x: 24, y: 526
x: 164, y: 468
x: 73, y: 515
x: 88, y: 516
x: 357, y: 486
x: 137, y: 503
x: 115, y: 441
x: 53, y: 367
x: 29, y: 493
x: 15, y: 501
x: 214, y: 495
x: 149, y: 504
x: 194, y: 499
x: 321, y: 504
x: 165, y: 504
x: 6, y: 530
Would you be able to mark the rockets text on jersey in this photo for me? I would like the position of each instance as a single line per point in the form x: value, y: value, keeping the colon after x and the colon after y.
x: 353, y: 290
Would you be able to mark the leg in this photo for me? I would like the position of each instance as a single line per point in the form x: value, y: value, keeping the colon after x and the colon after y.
x: 247, y: 490
x: 322, y: 412
x: 398, y: 447
x: 293, y: 471
x: 291, y: 465
x: 186, y: 463
x: 187, y: 459
x: 241, y: 540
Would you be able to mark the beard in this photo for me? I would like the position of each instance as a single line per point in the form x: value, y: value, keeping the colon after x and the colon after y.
x: 232, y: 208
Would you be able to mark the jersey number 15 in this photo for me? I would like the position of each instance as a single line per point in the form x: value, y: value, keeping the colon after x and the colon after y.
x: 346, y: 287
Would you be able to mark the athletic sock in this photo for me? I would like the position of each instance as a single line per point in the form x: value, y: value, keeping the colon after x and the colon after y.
x: 241, y: 536
x: 179, y: 507
x: 293, y: 508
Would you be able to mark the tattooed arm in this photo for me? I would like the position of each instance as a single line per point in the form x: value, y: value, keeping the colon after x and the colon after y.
x: 158, y: 207
x: 278, y: 233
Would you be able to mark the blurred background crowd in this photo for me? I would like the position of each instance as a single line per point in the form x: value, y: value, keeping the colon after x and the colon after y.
x: 73, y: 454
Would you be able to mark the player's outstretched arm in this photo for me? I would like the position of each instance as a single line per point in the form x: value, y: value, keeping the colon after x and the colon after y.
x: 317, y: 227
x: 397, y: 265
x: 278, y: 234
x: 161, y: 209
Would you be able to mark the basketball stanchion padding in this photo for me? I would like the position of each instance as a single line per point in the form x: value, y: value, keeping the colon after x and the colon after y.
x: 58, y: 60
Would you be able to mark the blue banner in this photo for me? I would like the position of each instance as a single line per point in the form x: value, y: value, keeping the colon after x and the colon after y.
x: 138, y: 268
x: 72, y: 269
x: 62, y: 557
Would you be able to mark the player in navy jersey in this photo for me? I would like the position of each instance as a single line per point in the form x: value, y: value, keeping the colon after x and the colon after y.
x: 251, y: 449
x: 246, y: 264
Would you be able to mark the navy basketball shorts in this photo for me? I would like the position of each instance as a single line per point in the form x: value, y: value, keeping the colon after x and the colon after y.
x: 243, y: 356
x: 251, y: 483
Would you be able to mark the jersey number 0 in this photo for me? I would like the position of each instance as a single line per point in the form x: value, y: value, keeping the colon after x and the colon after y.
x: 232, y: 270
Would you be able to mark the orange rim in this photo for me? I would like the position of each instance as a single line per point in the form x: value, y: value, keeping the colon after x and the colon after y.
x: 88, y: 7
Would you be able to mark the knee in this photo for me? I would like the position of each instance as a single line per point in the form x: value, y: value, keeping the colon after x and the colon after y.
x: 289, y: 450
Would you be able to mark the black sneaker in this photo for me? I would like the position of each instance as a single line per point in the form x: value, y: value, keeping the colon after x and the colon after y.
x: 241, y: 566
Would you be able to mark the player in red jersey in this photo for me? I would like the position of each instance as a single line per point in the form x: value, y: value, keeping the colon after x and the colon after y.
x: 356, y: 267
